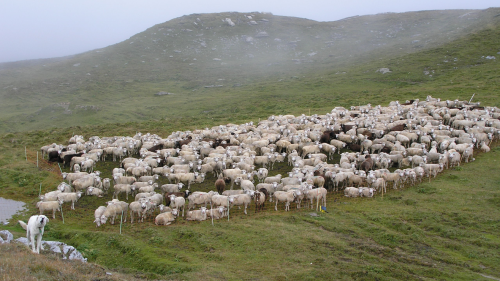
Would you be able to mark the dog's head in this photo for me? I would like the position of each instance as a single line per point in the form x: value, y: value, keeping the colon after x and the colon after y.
x: 42, y: 221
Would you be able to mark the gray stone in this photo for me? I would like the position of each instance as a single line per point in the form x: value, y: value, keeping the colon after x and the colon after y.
x: 5, y: 236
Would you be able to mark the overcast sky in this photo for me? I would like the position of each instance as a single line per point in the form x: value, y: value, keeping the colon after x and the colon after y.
x: 31, y: 29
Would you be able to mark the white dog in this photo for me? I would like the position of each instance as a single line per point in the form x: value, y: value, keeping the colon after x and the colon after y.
x: 35, y: 227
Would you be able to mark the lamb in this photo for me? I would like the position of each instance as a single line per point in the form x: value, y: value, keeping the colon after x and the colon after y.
x: 69, y: 197
x: 49, y: 205
x: 240, y: 199
x: 166, y: 218
x: 284, y: 196
x: 97, y: 215
x: 177, y: 203
x: 197, y: 215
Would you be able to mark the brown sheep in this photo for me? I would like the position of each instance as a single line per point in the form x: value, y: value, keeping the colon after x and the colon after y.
x: 220, y: 185
x: 367, y: 164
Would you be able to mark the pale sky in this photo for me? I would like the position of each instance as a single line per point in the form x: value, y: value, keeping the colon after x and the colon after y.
x: 32, y: 29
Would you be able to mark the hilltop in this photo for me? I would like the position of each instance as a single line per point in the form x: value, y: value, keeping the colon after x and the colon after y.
x: 210, y: 63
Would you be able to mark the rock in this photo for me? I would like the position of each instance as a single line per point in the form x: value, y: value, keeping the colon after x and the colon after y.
x: 163, y: 93
x: 313, y: 215
x: 66, y: 252
x: 262, y: 34
x: 5, y: 236
x: 383, y: 70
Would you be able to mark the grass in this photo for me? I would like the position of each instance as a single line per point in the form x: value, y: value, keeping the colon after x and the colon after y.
x: 445, y: 229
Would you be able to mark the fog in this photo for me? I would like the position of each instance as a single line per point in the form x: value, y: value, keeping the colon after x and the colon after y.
x: 43, y: 29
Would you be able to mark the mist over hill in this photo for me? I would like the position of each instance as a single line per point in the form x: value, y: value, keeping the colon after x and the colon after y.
x: 197, y: 63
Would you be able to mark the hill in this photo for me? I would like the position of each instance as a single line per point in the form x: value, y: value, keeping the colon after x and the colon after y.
x: 204, y: 62
x: 445, y: 229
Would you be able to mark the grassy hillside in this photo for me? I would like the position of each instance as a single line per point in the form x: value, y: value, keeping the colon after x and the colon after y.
x: 446, y: 229
x: 186, y: 55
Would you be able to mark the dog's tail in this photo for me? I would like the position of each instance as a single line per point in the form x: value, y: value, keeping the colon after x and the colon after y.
x: 23, y: 225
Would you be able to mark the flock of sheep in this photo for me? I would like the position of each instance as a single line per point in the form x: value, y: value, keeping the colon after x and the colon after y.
x: 416, y: 140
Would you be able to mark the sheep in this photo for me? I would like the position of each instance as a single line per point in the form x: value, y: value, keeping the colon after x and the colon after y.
x: 221, y: 200
x: 166, y: 218
x: 177, y: 203
x: 260, y: 200
x: 245, y: 184
x: 220, y: 185
x: 276, y: 178
x: 120, y: 188
x: 233, y: 192
x: 152, y: 178
x: 184, y: 194
x: 97, y: 215
x: 70, y: 177
x: 352, y: 191
x: 217, y: 213
x: 393, y: 177
x: 318, y: 194
x: 106, y: 183
x: 377, y: 183
x: 366, y: 191
x: 114, y: 208
x: 94, y: 191
x: 240, y: 199
x: 69, y: 197
x: 49, y: 205
x: 269, y: 187
x: 141, y: 195
x: 197, y: 215
x: 50, y: 196
x: 284, y: 196
x: 198, y: 198
x: 171, y: 187
x: 82, y: 184
x: 262, y: 174
x: 148, y: 188
x: 123, y: 180
x: 138, y: 208
x: 262, y: 160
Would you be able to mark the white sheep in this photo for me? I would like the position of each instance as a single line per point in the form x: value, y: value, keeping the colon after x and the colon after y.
x: 50, y: 196
x: 245, y: 184
x: 95, y: 191
x: 177, y: 202
x: 49, y: 205
x: 351, y: 191
x: 114, y: 209
x: 366, y: 191
x: 69, y: 197
x: 284, y: 196
x: 97, y: 215
x: 197, y: 215
x: 241, y: 200
x: 166, y: 218
x: 122, y: 188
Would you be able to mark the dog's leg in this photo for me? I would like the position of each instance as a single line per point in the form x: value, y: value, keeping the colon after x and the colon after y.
x: 39, y: 241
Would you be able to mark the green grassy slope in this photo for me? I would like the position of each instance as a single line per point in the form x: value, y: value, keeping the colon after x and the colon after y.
x: 182, y: 56
x: 446, y: 229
